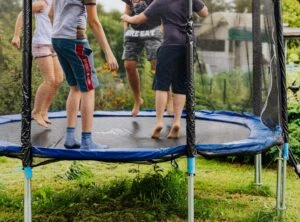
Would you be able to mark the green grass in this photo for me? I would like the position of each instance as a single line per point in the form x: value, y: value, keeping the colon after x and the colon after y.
x: 94, y: 191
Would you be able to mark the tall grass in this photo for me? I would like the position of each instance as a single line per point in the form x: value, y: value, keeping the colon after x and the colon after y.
x: 148, y: 198
x: 89, y: 191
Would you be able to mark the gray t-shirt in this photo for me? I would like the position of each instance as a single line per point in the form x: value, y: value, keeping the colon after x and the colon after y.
x: 173, y: 15
x: 138, y: 6
x: 70, y: 18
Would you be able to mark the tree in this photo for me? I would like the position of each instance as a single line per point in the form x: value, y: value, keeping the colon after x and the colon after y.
x: 243, y: 6
x: 291, y: 16
x: 291, y: 12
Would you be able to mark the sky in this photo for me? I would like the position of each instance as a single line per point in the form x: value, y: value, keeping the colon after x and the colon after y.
x: 109, y: 5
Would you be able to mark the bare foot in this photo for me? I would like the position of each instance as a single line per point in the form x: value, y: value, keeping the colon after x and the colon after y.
x: 136, y: 107
x: 156, y: 131
x: 174, y: 132
x: 46, y: 119
x: 39, y: 119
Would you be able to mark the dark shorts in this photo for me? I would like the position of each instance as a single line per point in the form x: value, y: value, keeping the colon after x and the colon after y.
x: 136, y: 40
x: 77, y: 60
x: 171, y: 69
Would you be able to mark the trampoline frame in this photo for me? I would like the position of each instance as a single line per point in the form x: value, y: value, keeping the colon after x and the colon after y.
x: 259, y: 139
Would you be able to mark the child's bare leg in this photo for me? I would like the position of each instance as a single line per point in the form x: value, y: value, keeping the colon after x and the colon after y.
x: 55, y: 81
x: 170, y: 108
x: 72, y: 108
x: 136, y: 107
x: 133, y: 77
x: 53, y: 77
x: 87, y: 118
x: 178, y: 101
x: 36, y: 111
x: 45, y: 65
x: 160, y: 104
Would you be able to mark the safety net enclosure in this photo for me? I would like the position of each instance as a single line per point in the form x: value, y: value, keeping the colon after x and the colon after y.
x: 236, y: 64
x: 236, y: 85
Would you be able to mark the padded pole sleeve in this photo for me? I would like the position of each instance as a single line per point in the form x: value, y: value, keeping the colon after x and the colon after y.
x: 26, y: 83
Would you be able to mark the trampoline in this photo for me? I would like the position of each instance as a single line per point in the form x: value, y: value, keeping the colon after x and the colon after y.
x: 241, y: 69
x: 217, y: 133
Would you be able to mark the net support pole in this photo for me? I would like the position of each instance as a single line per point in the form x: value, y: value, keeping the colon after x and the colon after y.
x: 283, y: 116
x: 281, y: 178
x: 191, y: 174
x: 190, y: 111
x: 258, y: 170
x: 26, y: 107
x: 27, y: 194
x: 257, y: 77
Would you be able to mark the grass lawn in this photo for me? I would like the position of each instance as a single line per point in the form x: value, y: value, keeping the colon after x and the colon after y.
x: 223, y: 192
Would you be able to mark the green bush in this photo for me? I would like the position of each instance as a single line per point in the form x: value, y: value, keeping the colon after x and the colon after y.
x: 6, y: 200
x: 294, y: 127
x: 223, y: 91
x: 156, y: 188
x: 77, y: 171
x: 152, y: 197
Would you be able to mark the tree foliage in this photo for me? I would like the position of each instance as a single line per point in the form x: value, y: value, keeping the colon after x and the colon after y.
x: 10, y: 60
x: 291, y: 16
x: 291, y: 12
x: 114, y: 92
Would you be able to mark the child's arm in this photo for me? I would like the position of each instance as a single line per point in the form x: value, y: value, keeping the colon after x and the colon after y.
x: 95, y: 25
x: 127, y: 11
x: 137, y: 19
x: 51, y: 11
x: 36, y: 8
x: 18, y: 28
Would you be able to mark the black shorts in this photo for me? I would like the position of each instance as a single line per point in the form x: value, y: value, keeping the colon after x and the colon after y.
x: 171, y: 69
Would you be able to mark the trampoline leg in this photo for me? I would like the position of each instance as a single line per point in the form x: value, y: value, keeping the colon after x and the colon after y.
x: 258, y: 169
x: 27, y: 194
x: 281, y: 179
x: 191, y: 174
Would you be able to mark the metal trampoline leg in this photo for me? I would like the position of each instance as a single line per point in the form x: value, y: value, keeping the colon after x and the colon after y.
x: 281, y: 179
x: 258, y: 169
x: 191, y: 174
x: 27, y: 194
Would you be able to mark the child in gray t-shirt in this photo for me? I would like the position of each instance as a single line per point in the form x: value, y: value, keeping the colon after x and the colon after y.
x: 76, y: 58
x: 171, y: 57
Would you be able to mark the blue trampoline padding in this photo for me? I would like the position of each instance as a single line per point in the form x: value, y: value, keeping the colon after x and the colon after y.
x: 260, y: 138
x: 108, y: 155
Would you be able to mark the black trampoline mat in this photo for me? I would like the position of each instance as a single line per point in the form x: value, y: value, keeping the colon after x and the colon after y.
x: 127, y: 132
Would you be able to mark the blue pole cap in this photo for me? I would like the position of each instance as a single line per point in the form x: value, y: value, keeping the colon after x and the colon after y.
x: 28, y: 172
x: 191, y: 165
x: 285, y: 151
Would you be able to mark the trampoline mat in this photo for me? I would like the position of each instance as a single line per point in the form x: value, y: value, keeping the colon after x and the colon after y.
x: 127, y: 132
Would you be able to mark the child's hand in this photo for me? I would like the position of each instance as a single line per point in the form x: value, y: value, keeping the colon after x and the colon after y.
x: 16, y: 41
x: 112, y: 62
x: 125, y: 17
